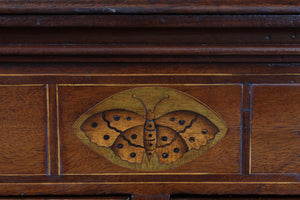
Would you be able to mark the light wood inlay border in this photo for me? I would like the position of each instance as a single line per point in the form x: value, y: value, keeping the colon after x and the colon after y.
x: 54, y: 160
x: 183, y: 74
x: 120, y: 85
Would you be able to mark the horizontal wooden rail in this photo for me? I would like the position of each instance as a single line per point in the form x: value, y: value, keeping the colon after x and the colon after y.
x: 148, y: 50
x: 162, y: 20
x: 154, y: 6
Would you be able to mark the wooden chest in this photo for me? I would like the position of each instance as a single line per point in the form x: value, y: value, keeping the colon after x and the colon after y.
x: 149, y: 99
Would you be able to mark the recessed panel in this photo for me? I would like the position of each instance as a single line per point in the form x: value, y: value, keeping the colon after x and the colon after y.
x: 80, y: 158
x: 23, y: 138
x: 276, y: 129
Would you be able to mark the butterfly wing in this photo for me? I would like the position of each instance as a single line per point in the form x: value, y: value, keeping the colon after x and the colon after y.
x: 177, y: 120
x: 170, y: 146
x: 129, y: 146
x: 121, y: 120
x: 201, y: 131
x: 193, y: 128
x: 105, y: 127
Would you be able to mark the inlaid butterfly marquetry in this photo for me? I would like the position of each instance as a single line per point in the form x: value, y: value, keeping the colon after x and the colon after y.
x: 150, y: 128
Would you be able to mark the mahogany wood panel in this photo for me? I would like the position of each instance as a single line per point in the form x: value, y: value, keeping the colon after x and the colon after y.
x: 277, y: 70
x: 150, y: 197
x: 78, y: 159
x: 147, y: 50
x: 154, y: 6
x: 275, y: 144
x: 148, y: 35
x: 23, y: 138
x: 155, y: 73
x: 155, y: 59
x: 53, y: 137
x: 237, y: 197
x: 246, y: 128
x: 99, y: 188
x: 144, y: 178
x: 159, y: 80
x: 152, y: 21
x: 149, y: 38
x: 123, y: 197
x: 240, y: 58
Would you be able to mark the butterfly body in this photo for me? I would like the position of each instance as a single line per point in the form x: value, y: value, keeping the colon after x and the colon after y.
x: 150, y: 135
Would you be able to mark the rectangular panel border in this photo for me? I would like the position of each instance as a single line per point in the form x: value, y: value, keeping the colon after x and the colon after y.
x: 258, y: 85
x: 145, y: 173
x: 47, y: 132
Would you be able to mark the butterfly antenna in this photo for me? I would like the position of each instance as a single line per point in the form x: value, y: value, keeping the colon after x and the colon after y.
x: 160, y: 101
x: 135, y: 97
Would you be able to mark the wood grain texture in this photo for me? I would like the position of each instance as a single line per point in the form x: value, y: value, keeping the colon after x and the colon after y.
x: 152, y: 21
x: 235, y: 197
x: 178, y: 127
x: 148, y: 35
x: 53, y: 137
x: 23, y: 138
x: 76, y: 100
x: 150, y: 197
x: 107, y: 197
x: 140, y: 184
x: 246, y: 129
x: 146, y: 7
x: 153, y: 59
x: 145, y: 178
x: 130, y: 50
x: 149, y: 38
x: 156, y: 188
x: 217, y: 48
x: 138, y: 72
x: 275, y: 136
x: 150, y: 69
x: 162, y: 80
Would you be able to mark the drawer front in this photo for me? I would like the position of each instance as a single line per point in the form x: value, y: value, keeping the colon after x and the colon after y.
x: 47, y: 149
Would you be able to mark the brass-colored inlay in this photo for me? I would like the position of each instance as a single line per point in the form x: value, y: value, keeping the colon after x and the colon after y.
x: 179, y: 127
x: 121, y: 183
x: 158, y: 74
x: 143, y: 84
x: 48, y: 131
x: 57, y: 129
